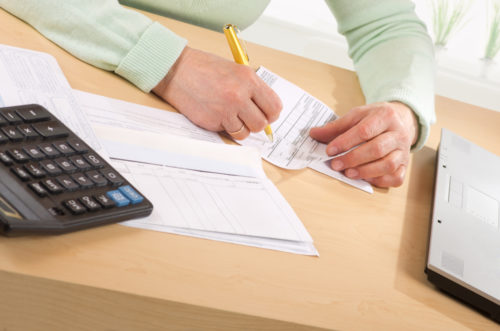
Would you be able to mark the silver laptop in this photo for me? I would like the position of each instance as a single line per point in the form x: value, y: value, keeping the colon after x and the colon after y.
x: 463, y: 255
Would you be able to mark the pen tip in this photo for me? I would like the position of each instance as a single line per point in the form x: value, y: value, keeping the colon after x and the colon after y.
x: 270, y: 136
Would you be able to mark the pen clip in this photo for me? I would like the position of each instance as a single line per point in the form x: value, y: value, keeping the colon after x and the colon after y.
x: 242, y: 42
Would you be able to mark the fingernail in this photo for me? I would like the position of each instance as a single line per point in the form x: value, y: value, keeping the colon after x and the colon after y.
x: 351, y: 173
x: 337, y: 165
x: 332, y: 150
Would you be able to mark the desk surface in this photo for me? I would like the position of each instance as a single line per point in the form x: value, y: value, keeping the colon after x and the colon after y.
x: 370, y: 274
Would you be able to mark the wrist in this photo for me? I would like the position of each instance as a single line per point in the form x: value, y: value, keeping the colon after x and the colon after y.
x: 410, y: 120
x: 161, y: 88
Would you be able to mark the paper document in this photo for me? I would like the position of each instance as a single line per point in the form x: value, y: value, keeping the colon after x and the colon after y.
x: 292, y: 147
x: 102, y: 110
x: 33, y: 77
x: 207, y: 190
x: 292, y: 150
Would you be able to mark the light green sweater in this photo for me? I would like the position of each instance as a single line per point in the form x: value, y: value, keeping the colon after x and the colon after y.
x: 389, y: 45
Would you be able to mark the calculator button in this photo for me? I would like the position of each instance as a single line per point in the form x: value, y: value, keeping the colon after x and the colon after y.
x: 65, y: 165
x: 28, y: 131
x: 51, y: 129
x: 5, y: 159
x: 3, y: 121
x: 67, y: 183
x: 21, y: 173
x: 79, y: 162
x: 97, y: 178
x: 34, y: 152
x: 89, y: 203
x: 12, y: 117
x: 119, y: 199
x: 82, y: 180
x: 33, y: 114
x: 35, y: 170
x: 52, y: 186
x: 51, y: 168
x: 3, y: 138
x: 74, y: 206
x: 104, y: 201
x: 18, y: 155
x: 131, y: 194
x: 64, y: 148
x: 78, y: 146
x: 13, y: 134
x: 94, y: 160
x: 112, y: 176
x: 38, y: 189
x: 49, y: 150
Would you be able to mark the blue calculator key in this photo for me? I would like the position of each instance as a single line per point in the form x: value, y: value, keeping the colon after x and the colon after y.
x: 118, y: 198
x: 131, y: 194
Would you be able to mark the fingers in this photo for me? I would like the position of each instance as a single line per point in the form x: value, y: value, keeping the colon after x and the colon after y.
x: 241, y: 122
x: 388, y: 164
x: 334, y: 128
x: 253, y: 117
x: 267, y: 101
x: 380, y: 161
x: 239, y: 134
x: 378, y: 137
x: 366, y: 129
x: 391, y: 180
x: 236, y: 128
x: 377, y: 148
x: 256, y: 110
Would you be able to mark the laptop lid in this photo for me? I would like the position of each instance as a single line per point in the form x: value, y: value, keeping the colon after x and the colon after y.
x: 464, y: 245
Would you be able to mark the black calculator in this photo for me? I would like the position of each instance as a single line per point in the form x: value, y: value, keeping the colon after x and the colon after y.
x: 51, y: 181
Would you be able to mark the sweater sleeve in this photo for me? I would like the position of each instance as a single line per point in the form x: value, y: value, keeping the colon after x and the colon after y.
x: 392, y: 53
x: 106, y: 35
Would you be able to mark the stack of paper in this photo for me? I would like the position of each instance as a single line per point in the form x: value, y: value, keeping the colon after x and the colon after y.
x: 199, y: 186
x: 207, y: 190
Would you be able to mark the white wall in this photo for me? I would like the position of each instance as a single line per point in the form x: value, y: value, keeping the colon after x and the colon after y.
x: 307, y: 28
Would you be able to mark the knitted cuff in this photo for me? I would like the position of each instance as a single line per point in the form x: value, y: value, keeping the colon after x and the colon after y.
x: 152, y: 57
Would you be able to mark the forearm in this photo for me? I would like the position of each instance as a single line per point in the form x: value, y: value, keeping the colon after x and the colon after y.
x: 105, y: 34
x: 392, y: 53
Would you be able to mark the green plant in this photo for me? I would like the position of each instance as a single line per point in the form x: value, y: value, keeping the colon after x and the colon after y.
x: 447, y: 18
x: 493, y: 43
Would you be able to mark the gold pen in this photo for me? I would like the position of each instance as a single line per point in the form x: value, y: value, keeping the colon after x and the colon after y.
x: 240, y: 56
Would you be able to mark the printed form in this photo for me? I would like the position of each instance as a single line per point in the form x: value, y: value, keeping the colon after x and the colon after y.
x: 201, y: 203
x: 292, y: 147
x: 207, y: 190
x: 106, y: 111
x: 33, y: 77
x: 198, y: 188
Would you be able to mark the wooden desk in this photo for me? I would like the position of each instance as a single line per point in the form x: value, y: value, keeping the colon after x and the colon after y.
x: 370, y: 274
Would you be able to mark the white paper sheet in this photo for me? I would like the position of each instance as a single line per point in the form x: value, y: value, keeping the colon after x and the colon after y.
x: 292, y: 147
x: 117, y: 113
x: 102, y: 110
x: 154, y: 179
x: 206, y: 190
x: 33, y: 77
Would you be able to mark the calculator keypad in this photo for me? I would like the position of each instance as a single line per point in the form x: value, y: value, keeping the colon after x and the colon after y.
x: 57, y: 166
